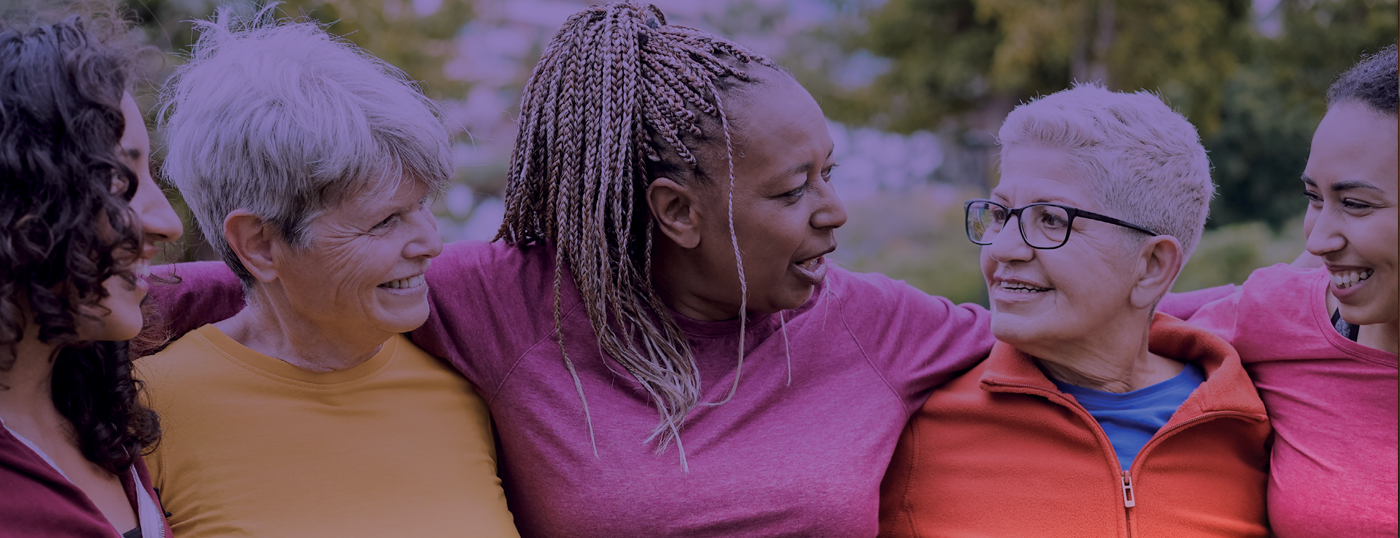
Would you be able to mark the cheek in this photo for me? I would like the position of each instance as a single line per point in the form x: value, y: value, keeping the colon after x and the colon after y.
x: 1309, y: 219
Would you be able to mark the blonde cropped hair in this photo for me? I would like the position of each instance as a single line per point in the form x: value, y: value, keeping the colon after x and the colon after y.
x: 1144, y: 162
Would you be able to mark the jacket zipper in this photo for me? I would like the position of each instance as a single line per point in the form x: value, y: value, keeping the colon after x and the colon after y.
x: 1126, y: 477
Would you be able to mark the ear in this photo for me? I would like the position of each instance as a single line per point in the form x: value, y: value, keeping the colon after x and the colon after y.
x: 254, y: 242
x: 676, y: 210
x: 1159, y: 261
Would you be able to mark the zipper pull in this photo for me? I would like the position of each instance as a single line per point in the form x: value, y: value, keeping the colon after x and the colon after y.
x: 1129, y: 499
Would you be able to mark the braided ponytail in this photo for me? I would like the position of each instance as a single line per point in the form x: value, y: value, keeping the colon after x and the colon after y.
x: 612, y: 103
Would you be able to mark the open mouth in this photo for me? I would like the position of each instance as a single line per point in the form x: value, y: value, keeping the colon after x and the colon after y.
x: 141, y: 268
x: 404, y: 283
x: 1018, y: 287
x: 811, y: 265
x: 1350, y: 278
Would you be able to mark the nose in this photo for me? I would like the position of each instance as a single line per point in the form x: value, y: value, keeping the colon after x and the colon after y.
x: 831, y: 214
x: 426, y: 242
x: 1008, y: 245
x: 1324, y: 235
x: 158, y: 220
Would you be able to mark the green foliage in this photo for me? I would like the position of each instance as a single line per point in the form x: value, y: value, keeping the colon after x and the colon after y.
x: 1255, y: 98
x: 1227, y: 255
x: 917, y: 237
x: 954, y: 58
x: 389, y: 29
x: 1274, y: 103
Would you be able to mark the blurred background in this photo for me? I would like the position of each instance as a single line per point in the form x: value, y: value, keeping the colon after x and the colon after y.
x: 914, y: 91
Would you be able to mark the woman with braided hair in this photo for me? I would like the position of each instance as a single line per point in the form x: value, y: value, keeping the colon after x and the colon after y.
x: 662, y: 344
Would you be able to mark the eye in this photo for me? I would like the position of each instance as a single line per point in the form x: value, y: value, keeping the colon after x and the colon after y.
x: 1312, y: 197
x: 387, y: 222
x: 826, y: 172
x: 1355, y: 204
x: 998, y: 214
x: 1051, y: 220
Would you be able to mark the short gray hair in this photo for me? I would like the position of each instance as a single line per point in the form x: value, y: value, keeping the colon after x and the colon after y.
x: 285, y: 121
x: 1144, y: 161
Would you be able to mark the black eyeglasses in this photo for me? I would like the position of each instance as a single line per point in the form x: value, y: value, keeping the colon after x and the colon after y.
x: 1043, y: 225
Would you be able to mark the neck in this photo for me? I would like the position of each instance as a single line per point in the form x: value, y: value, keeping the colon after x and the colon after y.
x: 26, y: 388
x: 1114, y: 359
x: 269, y: 325
x: 1382, y: 336
x: 675, y: 272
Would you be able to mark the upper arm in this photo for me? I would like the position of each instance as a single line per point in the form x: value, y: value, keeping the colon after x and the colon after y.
x: 915, y: 340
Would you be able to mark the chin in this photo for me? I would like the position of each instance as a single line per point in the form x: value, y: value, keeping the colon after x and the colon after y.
x: 402, y: 322
x: 1015, y: 329
x: 1368, y: 314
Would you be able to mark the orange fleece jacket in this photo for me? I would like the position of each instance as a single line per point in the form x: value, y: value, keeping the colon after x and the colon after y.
x: 1001, y: 452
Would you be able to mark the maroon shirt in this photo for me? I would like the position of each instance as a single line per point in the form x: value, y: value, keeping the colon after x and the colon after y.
x: 37, y: 502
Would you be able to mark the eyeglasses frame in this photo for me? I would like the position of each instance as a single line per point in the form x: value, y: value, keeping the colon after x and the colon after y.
x: 1073, y: 213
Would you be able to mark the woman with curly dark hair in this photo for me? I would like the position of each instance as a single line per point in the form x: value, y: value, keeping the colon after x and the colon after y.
x: 79, y: 219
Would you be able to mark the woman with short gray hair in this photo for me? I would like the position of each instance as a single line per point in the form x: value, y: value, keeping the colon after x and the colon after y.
x: 1093, y: 416
x: 309, y: 165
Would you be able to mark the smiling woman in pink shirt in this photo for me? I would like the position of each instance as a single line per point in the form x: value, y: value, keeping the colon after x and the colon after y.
x: 662, y: 343
x: 1320, y: 343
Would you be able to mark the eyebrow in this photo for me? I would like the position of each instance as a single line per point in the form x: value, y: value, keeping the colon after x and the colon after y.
x: 799, y: 169
x: 132, y: 153
x: 1345, y: 185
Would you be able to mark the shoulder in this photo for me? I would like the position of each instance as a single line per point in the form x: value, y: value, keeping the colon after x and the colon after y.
x: 498, y: 259
x: 879, y: 299
x: 1283, y: 294
x: 1284, y: 281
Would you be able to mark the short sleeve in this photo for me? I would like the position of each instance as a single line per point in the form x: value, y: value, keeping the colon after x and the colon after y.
x: 1184, y: 305
x: 917, y: 341
x: 200, y: 293
x: 1220, y: 316
x: 490, y: 302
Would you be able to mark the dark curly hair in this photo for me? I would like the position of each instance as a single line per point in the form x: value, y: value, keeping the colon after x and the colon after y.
x: 1371, y: 82
x: 61, y: 174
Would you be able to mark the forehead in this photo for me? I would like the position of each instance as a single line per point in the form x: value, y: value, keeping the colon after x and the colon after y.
x: 776, y: 124
x: 134, y: 136
x: 1354, y: 143
x: 1031, y: 174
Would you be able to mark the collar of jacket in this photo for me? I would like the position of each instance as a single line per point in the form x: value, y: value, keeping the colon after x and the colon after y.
x: 1227, y: 387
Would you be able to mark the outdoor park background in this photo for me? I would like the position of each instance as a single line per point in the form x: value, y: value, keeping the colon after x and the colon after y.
x: 914, y: 91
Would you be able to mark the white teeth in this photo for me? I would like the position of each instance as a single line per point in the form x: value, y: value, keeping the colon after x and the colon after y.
x: 404, y: 283
x: 1351, y: 278
x: 810, y: 264
x: 1022, y: 288
x: 141, y: 268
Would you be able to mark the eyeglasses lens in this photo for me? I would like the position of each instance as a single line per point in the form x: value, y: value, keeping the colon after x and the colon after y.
x: 1043, y: 226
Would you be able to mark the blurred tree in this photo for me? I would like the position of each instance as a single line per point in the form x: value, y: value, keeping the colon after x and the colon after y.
x: 413, y: 35
x: 961, y: 65
x: 972, y: 60
x: 1273, y: 104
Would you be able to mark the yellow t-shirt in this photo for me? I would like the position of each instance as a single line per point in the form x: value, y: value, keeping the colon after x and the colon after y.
x: 397, y: 446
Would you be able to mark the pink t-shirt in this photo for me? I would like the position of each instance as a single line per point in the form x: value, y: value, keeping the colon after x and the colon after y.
x: 1332, y: 402
x: 798, y: 459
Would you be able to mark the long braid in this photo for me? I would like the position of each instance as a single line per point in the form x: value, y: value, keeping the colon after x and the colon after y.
x: 616, y: 92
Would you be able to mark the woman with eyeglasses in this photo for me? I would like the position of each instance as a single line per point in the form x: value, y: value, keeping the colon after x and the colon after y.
x: 1094, y: 415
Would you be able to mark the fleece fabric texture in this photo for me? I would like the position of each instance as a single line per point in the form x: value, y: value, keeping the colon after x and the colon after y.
x: 1332, y: 402
x: 1001, y: 451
